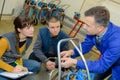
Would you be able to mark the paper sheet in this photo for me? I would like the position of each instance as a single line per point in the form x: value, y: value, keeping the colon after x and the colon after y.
x: 14, y: 75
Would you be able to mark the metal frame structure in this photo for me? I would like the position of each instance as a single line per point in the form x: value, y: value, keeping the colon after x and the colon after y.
x: 81, y: 24
x: 79, y: 50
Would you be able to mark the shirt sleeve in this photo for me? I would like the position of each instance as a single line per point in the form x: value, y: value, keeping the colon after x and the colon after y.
x: 3, y: 47
x: 109, y: 57
x: 37, y: 49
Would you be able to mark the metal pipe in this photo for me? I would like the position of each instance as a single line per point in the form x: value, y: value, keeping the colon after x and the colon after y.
x: 59, y: 57
x: 2, y: 10
x: 82, y: 6
x: 80, y: 53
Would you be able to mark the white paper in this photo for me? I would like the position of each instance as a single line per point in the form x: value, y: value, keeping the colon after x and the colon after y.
x: 14, y: 75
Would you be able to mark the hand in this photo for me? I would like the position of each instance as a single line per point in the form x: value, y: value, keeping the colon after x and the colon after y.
x: 50, y: 65
x: 68, y: 62
x: 19, y: 69
x: 67, y: 53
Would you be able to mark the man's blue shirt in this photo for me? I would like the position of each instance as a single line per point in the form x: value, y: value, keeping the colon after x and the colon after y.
x: 109, y: 48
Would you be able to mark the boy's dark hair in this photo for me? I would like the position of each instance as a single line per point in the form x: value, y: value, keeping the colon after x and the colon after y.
x: 54, y: 19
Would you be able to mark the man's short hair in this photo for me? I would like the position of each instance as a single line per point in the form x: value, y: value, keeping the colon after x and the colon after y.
x: 101, y: 15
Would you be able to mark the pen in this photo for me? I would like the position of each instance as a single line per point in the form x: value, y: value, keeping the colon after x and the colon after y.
x: 23, y: 68
x: 17, y: 63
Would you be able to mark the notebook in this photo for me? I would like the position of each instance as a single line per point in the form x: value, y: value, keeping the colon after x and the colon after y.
x: 14, y: 75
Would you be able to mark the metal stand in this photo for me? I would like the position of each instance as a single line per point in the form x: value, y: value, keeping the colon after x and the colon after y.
x: 2, y: 10
x: 81, y: 24
x: 79, y: 50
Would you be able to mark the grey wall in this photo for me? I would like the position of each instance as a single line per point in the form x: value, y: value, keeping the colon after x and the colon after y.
x: 11, y: 5
x: 114, y: 8
x: 75, y: 6
x: 112, y: 5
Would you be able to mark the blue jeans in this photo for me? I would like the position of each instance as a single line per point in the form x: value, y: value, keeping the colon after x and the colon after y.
x: 31, y: 65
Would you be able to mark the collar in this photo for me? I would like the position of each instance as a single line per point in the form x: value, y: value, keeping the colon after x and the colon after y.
x: 100, y: 36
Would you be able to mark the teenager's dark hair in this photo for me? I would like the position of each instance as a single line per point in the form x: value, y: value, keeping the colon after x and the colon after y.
x: 21, y: 22
x: 101, y: 15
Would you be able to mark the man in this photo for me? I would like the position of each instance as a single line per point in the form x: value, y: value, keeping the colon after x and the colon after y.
x: 46, y: 43
x: 105, y: 36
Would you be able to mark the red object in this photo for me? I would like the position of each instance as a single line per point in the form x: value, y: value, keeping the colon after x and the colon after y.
x: 81, y: 24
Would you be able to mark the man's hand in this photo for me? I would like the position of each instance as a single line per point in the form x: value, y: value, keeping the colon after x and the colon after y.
x: 50, y: 65
x: 68, y: 62
x: 67, y: 53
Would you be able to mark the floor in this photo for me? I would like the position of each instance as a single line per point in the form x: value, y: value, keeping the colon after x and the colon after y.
x: 7, y: 26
